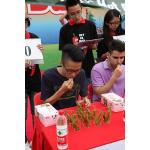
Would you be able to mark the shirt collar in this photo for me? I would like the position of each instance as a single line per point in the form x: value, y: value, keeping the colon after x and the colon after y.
x: 71, y: 21
x: 105, y: 63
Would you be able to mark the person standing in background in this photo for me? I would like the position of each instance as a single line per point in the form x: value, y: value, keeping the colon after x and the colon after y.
x: 77, y: 30
x: 111, y: 27
x: 32, y: 76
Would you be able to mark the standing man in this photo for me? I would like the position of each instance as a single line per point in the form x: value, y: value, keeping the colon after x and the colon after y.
x: 76, y: 30
x: 61, y: 86
x: 109, y: 75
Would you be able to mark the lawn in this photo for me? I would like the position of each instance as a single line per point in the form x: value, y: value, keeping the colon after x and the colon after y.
x: 52, y: 56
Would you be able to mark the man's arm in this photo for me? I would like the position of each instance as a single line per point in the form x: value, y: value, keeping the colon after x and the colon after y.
x: 107, y: 86
x: 83, y: 89
x: 62, y: 38
x: 55, y: 97
x: 67, y: 85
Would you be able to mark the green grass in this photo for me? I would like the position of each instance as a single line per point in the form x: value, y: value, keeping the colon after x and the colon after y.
x: 52, y: 56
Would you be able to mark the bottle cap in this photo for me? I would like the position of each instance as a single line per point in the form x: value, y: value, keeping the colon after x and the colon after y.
x: 61, y: 112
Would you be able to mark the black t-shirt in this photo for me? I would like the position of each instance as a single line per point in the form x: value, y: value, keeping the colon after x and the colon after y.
x: 33, y: 83
x: 84, y: 31
x: 52, y: 81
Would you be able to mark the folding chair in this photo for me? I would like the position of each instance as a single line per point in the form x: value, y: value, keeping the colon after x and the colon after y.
x: 90, y: 91
x: 37, y: 99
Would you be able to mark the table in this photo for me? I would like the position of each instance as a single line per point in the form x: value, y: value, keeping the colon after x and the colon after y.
x: 119, y: 145
x: 44, y: 138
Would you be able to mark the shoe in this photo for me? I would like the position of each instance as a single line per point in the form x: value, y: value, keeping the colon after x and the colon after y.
x: 30, y: 145
x: 27, y: 146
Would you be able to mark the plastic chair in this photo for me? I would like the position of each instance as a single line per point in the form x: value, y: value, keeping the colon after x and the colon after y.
x: 37, y: 99
x: 90, y: 91
x: 42, y: 72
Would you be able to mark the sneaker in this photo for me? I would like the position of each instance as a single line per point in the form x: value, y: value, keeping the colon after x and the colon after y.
x: 30, y: 145
x: 27, y: 146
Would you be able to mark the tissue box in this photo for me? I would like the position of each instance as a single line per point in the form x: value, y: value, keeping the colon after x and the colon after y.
x: 46, y: 113
x: 113, y: 100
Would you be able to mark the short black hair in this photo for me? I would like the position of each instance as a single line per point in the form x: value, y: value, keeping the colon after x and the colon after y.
x: 70, y: 3
x: 116, y: 45
x: 28, y: 21
x: 72, y: 52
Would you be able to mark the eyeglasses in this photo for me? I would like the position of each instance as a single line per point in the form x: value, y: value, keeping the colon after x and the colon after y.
x: 72, y: 70
x: 74, y: 14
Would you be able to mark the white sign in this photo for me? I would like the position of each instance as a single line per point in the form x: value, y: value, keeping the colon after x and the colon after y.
x: 32, y: 52
x: 120, y: 37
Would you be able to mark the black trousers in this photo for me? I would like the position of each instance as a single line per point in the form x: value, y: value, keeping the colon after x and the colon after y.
x: 29, y: 94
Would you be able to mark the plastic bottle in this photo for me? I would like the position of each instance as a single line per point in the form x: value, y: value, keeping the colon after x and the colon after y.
x: 62, y: 131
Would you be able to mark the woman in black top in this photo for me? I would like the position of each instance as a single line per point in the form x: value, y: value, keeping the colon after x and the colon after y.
x: 111, y: 27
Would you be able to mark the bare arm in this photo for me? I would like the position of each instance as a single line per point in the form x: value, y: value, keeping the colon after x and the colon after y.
x: 66, y: 86
x: 105, y: 88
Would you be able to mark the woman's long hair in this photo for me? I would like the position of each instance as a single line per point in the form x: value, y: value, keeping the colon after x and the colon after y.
x: 108, y: 17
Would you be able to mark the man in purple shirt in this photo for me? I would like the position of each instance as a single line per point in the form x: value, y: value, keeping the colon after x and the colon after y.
x: 109, y: 75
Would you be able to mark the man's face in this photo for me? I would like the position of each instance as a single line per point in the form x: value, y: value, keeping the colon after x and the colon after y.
x: 71, y: 69
x: 75, y: 12
x: 115, y: 58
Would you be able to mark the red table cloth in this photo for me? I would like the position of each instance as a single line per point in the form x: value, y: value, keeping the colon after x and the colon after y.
x: 44, y: 138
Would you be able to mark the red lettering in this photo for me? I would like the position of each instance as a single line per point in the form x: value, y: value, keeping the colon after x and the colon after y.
x: 34, y: 9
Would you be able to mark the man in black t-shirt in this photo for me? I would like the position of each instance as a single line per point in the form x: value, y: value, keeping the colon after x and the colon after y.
x: 77, y: 30
x: 61, y: 86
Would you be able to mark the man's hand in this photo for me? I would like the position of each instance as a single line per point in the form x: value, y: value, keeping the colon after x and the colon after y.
x: 87, y: 101
x: 117, y: 72
x: 67, y: 85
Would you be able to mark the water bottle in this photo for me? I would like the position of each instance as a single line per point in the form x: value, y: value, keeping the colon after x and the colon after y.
x: 62, y: 131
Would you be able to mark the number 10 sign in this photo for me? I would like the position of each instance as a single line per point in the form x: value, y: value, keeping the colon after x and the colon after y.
x: 32, y: 52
